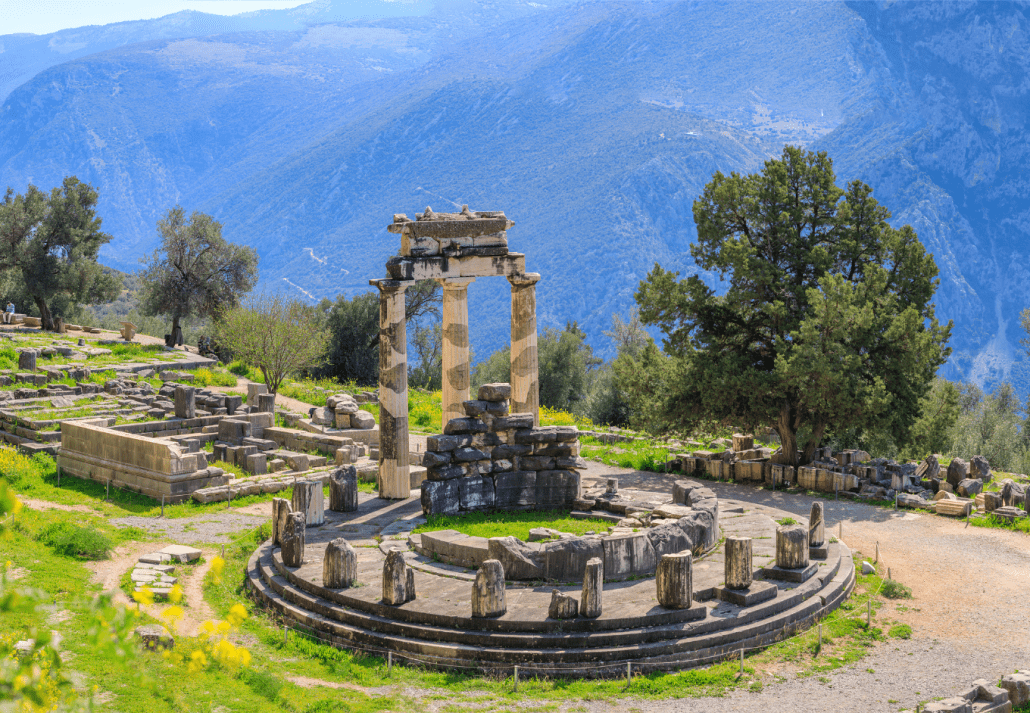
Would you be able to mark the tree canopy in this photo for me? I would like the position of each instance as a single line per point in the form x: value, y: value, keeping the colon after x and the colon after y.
x: 195, y: 272
x: 827, y: 318
x: 50, y: 243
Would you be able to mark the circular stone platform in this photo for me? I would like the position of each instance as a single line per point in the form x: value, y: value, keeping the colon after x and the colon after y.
x: 437, y: 629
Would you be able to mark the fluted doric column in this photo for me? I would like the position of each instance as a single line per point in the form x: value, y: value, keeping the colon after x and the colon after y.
x: 525, y: 380
x: 394, y: 481
x: 455, y: 347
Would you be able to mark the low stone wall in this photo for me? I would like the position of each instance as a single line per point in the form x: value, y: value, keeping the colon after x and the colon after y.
x: 491, y: 460
x: 133, y: 462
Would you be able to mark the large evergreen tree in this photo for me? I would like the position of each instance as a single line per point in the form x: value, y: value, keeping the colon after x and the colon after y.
x: 49, y: 245
x: 826, y: 320
x: 196, y: 272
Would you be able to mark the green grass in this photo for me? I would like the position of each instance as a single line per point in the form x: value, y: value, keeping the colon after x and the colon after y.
x: 216, y: 377
x: 993, y: 521
x: 638, y: 455
x: 502, y: 524
x: 900, y: 631
x: 71, y: 540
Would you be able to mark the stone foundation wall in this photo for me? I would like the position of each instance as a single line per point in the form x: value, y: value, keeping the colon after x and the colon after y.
x: 133, y: 462
x: 491, y: 460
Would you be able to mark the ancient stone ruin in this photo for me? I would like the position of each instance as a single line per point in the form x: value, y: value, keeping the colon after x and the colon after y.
x: 454, y: 249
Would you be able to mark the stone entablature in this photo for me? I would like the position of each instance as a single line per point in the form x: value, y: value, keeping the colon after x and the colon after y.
x: 493, y: 460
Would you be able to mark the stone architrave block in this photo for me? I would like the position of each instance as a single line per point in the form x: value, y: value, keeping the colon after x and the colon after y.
x: 185, y: 403
x: 565, y: 560
x: 674, y: 581
x: 309, y: 499
x: 280, y: 509
x: 440, y: 497
x: 476, y: 493
x: 292, y: 540
x: 340, y: 565
x: 488, y: 591
x: 519, y: 560
x: 629, y: 554
x: 562, y: 606
x: 398, y: 579
x: 343, y: 490
x: 593, y: 588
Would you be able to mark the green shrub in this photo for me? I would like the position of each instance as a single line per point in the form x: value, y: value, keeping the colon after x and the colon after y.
x: 71, y: 540
x: 207, y: 377
x: 893, y: 589
x: 900, y: 631
x: 787, y: 521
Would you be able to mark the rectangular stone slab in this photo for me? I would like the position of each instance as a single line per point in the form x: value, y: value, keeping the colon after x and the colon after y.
x: 790, y: 575
x: 757, y: 593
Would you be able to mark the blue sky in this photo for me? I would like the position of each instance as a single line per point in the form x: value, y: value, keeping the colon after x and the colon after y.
x: 44, y: 16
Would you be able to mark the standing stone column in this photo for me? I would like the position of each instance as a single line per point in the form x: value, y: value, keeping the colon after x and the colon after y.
x: 309, y: 501
x: 398, y: 579
x: 674, y: 580
x: 340, y: 565
x: 593, y: 588
x: 292, y: 540
x: 343, y: 490
x: 525, y: 380
x: 455, y: 354
x: 488, y: 590
x: 394, y: 481
x: 816, y: 526
x: 280, y: 509
x: 185, y: 402
x: 738, y: 563
x: 791, y: 547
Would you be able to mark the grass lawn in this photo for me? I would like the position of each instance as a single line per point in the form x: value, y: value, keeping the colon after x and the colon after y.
x: 502, y: 524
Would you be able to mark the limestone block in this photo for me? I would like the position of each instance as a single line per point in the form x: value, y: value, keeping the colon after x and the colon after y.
x: 440, y: 497
x: 309, y: 499
x: 992, y: 501
x: 292, y: 540
x: 674, y: 581
x: 280, y: 509
x: 185, y: 404
x: 325, y: 416
x: 556, y: 488
x: 340, y: 566
x: 628, y: 554
x: 792, y: 547
x: 257, y: 463
x: 488, y: 590
x: 565, y: 560
x: 742, y: 442
x: 27, y: 360
x: 398, y: 579
x: 562, y: 606
x: 154, y: 637
x: 668, y: 539
x: 494, y: 392
x: 519, y: 560
x: 514, y: 489
x: 969, y: 488
x: 593, y: 588
x: 343, y: 490
x: 816, y: 526
x: 1018, y: 686
x: 1012, y: 494
x: 980, y: 468
x: 362, y: 420
x: 253, y: 390
x: 738, y: 572
x: 476, y: 493
x: 958, y: 470
x: 233, y: 404
x: 266, y: 403
x: 957, y: 704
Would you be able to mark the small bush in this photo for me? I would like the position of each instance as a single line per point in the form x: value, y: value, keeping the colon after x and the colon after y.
x: 787, y: 521
x: 71, y: 540
x: 893, y: 589
x: 206, y: 377
x: 900, y: 631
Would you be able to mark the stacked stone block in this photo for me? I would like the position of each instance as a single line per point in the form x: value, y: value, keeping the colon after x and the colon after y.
x: 491, y: 459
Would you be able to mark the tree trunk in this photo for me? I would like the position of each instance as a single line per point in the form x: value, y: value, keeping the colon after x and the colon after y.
x: 788, y: 436
x: 814, y: 441
x: 175, y: 323
x: 45, y: 318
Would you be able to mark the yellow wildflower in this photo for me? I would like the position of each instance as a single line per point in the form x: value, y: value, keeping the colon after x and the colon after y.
x: 175, y: 596
x: 237, y: 614
x: 144, y: 596
x: 217, y: 567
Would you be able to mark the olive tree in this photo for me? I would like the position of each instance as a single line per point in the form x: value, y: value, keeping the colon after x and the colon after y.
x: 278, y: 336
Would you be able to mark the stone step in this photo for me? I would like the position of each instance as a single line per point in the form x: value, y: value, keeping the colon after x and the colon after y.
x: 669, y: 646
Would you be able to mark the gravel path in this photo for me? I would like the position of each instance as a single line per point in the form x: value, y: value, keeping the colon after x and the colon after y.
x: 215, y: 528
x: 970, y: 586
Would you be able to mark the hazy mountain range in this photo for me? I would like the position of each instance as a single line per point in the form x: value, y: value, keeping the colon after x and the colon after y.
x: 594, y: 125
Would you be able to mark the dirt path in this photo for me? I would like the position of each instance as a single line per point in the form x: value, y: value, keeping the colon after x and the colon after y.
x: 968, y: 616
